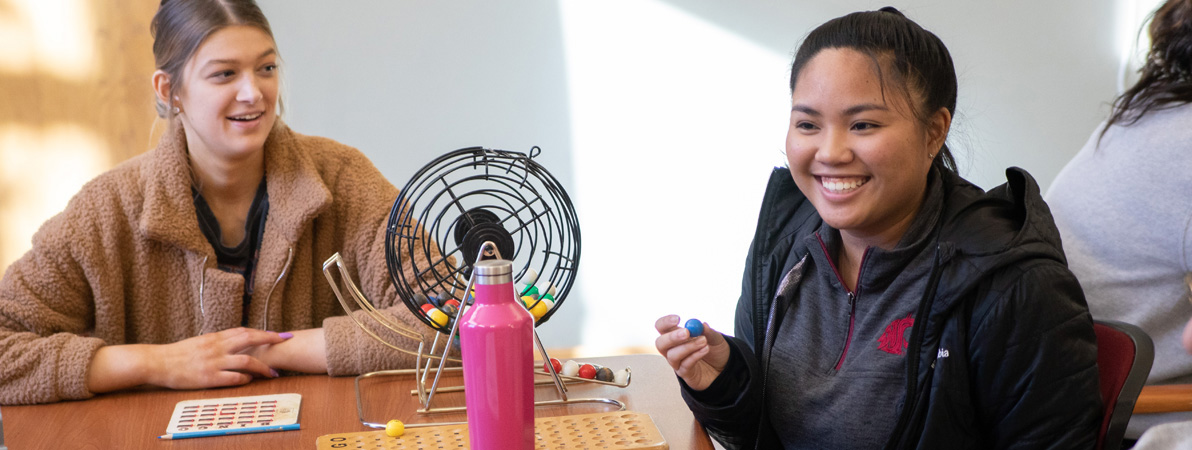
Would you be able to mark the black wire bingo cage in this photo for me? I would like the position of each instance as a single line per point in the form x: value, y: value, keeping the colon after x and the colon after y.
x: 471, y: 196
x: 468, y: 205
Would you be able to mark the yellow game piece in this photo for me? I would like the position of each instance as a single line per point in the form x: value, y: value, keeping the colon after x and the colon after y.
x: 540, y: 310
x: 438, y: 317
x: 395, y: 428
x: 528, y: 300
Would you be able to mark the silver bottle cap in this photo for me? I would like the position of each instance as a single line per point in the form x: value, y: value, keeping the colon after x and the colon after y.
x: 493, y: 271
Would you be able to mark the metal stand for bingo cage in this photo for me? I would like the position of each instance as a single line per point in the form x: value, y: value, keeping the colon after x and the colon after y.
x: 492, y: 204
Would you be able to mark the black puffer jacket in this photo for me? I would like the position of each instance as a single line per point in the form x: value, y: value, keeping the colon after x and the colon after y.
x: 1022, y: 365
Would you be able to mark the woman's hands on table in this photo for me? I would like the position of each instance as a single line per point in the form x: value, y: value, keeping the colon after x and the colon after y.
x: 226, y: 358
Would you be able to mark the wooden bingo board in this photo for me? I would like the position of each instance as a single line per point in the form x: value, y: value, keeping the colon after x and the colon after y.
x: 618, y: 430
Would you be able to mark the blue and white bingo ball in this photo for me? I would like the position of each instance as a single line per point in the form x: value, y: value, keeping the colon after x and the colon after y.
x: 694, y: 327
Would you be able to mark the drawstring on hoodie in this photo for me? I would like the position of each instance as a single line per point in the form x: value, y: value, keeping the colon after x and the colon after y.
x: 284, y: 269
x: 202, y: 281
x: 265, y: 320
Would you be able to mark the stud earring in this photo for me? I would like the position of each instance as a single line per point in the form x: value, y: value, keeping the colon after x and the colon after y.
x: 929, y: 155
x: 177, y: 110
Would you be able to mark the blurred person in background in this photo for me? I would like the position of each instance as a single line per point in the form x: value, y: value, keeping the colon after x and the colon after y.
x: 1124, y: 206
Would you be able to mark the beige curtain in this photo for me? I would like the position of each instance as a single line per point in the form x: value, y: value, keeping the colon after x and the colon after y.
x: 75, y: 99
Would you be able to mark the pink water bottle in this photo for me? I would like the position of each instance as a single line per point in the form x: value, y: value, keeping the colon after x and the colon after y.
x: 497, y: 338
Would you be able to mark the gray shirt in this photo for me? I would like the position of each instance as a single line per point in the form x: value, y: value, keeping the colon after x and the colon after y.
x: 1124, y: 210
x: 837, y: 373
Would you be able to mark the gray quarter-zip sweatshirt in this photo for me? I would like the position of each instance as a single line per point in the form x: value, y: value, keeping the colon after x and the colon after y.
x: 838, y: 361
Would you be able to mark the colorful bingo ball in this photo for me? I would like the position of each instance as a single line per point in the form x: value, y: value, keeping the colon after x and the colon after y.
x: 438, y: 317
x: 570, y: 368
x: 548, y: 295
x: 420, y: 298
x: 587, y: 371
x: 450, y: 310
x: 605, y: 374
x: 395, y: 428
x: 694, y: 327
x: 453, y: 302
x: 529, y: 301
x: 531, y: 277
x: 553, y: 362
x: 621, y: 377
x: 426, y: 307
x: 538, y: 310
x: 531, y: 291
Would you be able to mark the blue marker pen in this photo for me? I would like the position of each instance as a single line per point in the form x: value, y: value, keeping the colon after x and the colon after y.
x: 230, y: 431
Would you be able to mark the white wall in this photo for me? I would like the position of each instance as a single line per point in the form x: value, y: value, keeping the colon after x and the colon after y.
x: 663, y: 117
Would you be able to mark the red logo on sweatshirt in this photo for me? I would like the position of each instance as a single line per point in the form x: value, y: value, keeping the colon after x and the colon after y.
x: 893, y: 341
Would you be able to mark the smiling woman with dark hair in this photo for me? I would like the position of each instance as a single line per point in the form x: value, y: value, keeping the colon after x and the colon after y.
x: 886, y: 301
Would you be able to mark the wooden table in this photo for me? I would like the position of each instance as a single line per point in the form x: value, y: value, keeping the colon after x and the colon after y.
x: 1164, y: 399
x: 133, y: 420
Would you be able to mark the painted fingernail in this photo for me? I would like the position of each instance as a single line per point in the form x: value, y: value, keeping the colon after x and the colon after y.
x: 274, y: 373
x: 285, y: 335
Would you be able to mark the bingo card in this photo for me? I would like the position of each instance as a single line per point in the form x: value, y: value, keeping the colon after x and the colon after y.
x: 234, y: 415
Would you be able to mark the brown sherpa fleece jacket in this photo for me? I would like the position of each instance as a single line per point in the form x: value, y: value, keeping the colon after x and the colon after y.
x: 125, y: 263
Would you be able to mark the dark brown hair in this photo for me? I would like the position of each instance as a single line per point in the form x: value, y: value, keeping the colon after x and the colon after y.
x: 922, y: 66
x: 180, y: 26
x: 1166, y: 78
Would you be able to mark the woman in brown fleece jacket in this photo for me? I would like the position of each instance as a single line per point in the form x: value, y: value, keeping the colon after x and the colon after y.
x: 123, y: 287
